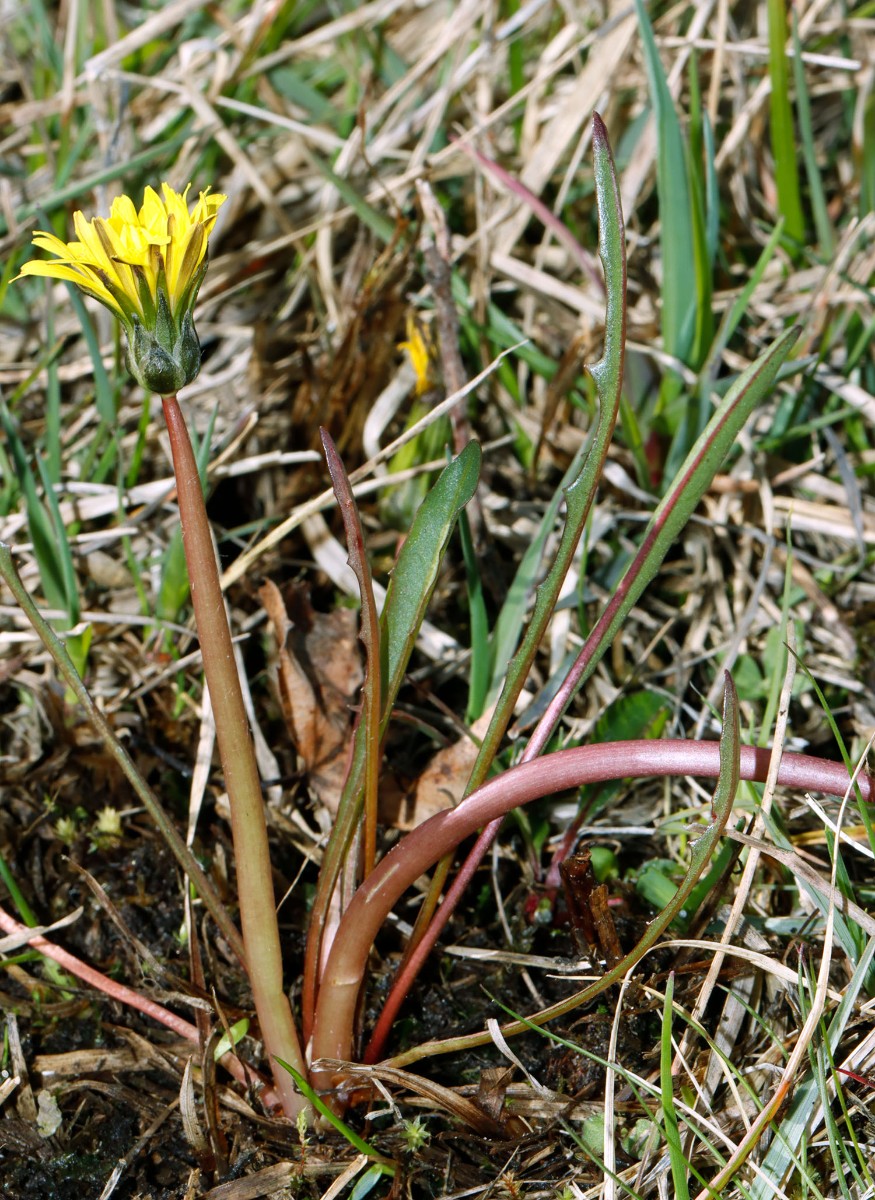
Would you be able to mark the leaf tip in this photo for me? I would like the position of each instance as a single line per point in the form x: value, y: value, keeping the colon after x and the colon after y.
x: 730, y: 695
x: 599, y: 132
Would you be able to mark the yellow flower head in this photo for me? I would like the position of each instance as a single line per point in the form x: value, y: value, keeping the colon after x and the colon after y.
x: 420, y: 352
x: 146, y: 266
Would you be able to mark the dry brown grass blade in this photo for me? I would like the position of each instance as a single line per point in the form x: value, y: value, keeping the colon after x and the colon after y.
x: 448, y: 1099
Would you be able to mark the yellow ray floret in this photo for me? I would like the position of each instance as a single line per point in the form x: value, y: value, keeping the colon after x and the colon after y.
x: 125, y: 260
x: 420, y: 354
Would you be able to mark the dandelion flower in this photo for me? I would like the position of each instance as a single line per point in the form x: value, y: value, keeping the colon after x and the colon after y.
x: 146, y: 267
x: 420, y: 352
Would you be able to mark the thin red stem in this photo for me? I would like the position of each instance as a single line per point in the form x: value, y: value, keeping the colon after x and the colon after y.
x: 130, y: 998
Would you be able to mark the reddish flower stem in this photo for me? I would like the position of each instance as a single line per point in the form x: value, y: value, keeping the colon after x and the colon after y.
x: 251, y: 851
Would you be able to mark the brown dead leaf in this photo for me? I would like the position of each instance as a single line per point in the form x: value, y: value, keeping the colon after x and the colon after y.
x: 319, y: 673
x: 501, y: 1126
x: 440, y: 785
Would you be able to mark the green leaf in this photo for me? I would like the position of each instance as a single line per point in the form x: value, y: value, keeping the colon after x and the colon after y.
x: 410, y: 589
x: 379, y: 225
x: 60, y: 549
x: 509, y: 623
x: 104, y: 392
x: 368, y: 1181
x: 479, y: 624
x: 822, y: 223
x: 783, y: 134
x: 630, y: 716
x: 289, y: 81
x: 580, y: 492
x: 416, y: 571
x: 733, y: 315
x: 225, y: 1043
x: 703, y: 235
x: 78, y: 645
x: 675, y: 216
x: 679, y: 503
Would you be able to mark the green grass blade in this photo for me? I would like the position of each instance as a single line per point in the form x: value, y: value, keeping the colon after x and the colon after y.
x: 712, y: 191
x: 63, y: 557
x: 797, y: 1121
x: 676, y: 221
x: 510, y: 620
x: 39, y: 524
x: 501, y: 331
x: 104, y: 392
x: 478, y: 684
x: 867, y: 148
x: 381, y: 226
x: 841, y: 1164
x: 358, y: 1143
x: 862, y: 807
x: 702, y: 236
x: 822, y: 223
x: 679, y: 1165
x: 740, y: 305
x: 782, y: 132
x: 53, y: 401
x: 26, y: 913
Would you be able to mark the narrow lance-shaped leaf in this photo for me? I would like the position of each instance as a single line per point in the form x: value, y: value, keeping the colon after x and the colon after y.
x: 416, y: 571
x: 410, y: 589
x: 783, y: 133
x: 47, y: 540
x: 676, y: 508
x: 677, y: 1158
x: 608, y: 376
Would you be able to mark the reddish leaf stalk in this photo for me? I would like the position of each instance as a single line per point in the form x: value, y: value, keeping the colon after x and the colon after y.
x: 370, y: 637
x: 566, y: 769
x: 236, y: 750
x: 338, y: 873
x: 130, y: 998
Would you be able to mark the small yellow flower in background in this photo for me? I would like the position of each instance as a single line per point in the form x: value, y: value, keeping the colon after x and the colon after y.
x: 146, y: 266
x: 420, y: 352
